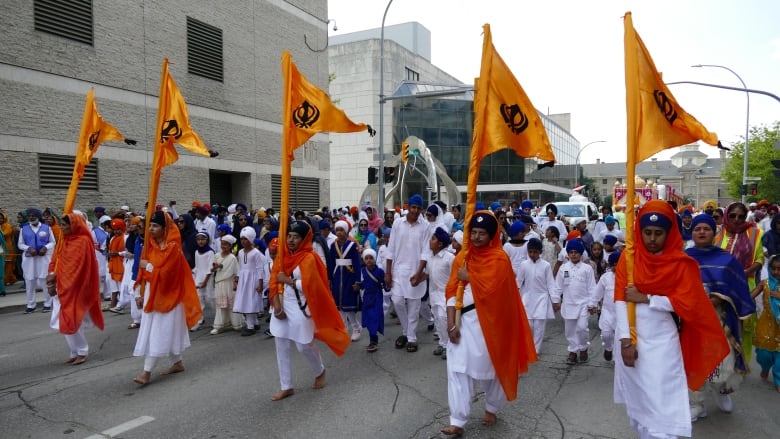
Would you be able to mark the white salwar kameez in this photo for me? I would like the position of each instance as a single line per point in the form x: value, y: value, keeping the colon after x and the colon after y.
x: 537, y: 290
x: 655, y: 390
x: 162, y: 334
x: 469, y: 361
x: 295, y: 329
x: 77, y: 342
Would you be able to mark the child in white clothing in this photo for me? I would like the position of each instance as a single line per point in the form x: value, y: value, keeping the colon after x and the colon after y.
x: 537, y: 290
x: 576, y: 282
x: 225, y: 269
x: 204, y: 260
x: 605, y: 292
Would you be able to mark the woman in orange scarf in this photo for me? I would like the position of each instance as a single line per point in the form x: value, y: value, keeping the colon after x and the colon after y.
x: 168, y: 296
x: 305, y: 311
x: 10, y: 253
x: 494, y: 343
x: 651, y: 376
x: 74, y: 283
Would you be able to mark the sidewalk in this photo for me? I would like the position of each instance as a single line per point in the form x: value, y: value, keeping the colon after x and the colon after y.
x: 16, y: 301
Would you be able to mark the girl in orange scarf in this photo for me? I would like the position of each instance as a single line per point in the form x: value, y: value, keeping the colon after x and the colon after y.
x: 75, y: 285
x: 10, y: 253
x: 493, y: 319
x: 168, y: 297
x: 305, y: 311
x: 650, y: 377
x: 116, y: 259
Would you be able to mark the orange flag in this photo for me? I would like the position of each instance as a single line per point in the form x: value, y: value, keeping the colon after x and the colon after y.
x: 94, y: 131
x: 503, y: 118
x: 306, y: 111
x: 655, y: 122
x: 173, y: 119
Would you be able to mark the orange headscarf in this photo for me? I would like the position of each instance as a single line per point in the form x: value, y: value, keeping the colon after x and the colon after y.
x: 328, y: 324
x: 78, y: 283
x: 675, y: 275
x: 502, y: 316
x: 170, y: 281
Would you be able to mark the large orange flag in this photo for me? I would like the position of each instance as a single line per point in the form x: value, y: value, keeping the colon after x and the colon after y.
x: 503, y: 118
x: 173, y: 119
x: 655, y: 122
x: 306, y: 111
x: 94, y: 131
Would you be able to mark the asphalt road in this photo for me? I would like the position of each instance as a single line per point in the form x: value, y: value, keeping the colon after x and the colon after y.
x: 226, y: 388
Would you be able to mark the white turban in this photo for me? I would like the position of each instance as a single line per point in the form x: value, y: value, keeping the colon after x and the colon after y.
x: 248, y: 233
x: 367, y: 252
x: 458, y: 236
x: 341, y: 224
x: 230, y: 239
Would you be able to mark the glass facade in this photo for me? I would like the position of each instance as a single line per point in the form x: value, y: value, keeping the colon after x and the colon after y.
x: 443, y: 117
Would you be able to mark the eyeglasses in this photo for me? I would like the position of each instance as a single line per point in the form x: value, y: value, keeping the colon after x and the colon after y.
x: 717, y: 217
x: 363, y: 225
x: 735, y: 216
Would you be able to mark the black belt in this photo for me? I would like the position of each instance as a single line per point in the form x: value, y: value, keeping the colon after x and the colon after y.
x: 466, y: 309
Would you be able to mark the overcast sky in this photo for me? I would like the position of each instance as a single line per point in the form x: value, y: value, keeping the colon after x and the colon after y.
x: 568, y: 55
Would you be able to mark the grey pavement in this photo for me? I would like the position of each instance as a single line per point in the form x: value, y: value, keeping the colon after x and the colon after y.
x: 16, y: 300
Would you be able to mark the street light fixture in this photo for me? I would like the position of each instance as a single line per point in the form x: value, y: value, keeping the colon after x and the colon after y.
x: 382, y: 100
x: 743, y: 189
x: 577, y: 165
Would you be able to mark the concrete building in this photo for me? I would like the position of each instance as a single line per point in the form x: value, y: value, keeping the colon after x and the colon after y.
x: 425, y: 102
x: 225, y: 58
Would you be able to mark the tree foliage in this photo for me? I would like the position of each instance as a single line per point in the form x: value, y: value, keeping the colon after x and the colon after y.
x: 760, y: 156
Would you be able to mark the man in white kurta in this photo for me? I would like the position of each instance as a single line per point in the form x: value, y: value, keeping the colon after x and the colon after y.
x: 576, y: 282
x: 36, y: 242
x: 407, y: 253
x: 537, y: 289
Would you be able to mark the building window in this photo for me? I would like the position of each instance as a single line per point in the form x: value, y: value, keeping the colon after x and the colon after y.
x: 603, y: 181
x: 304, y: 192
x: 411, y: 75
x: 71, y: 19
x: 55, y: 172
x: 204, y: 50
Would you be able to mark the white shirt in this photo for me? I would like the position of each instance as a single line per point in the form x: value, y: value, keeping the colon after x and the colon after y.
x: 578, y: 283
x: 537, y: 288
x: 439, y: 267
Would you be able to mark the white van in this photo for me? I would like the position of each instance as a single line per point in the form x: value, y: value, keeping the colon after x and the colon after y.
x: 577, y: 207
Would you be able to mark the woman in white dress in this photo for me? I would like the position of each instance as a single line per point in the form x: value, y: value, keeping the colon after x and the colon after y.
x: 304, y: 311
x: 168, y: 296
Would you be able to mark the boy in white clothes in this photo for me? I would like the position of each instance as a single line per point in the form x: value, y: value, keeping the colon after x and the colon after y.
x: 204, y: 261
x: 438, y: 271
x: 537, y: 289
x: 515, y: 247
x: 578, y: 282
x: 605, y: 292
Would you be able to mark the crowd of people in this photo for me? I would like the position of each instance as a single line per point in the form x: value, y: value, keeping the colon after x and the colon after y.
x: 698, y: 295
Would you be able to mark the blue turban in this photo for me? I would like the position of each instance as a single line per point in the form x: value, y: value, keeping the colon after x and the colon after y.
x: 495, y: 206
x: 610, y: 219
x: 442, y: 236
x: 704, y: 219
x: 35, y: 212
x: 225, y: 228
x: 527, y: 204
x: 687, y: 213
x: 526, y: 219
x: 268, y: 237
x: 610, y: 239
x: 479, y: 206
x: 534, y: 244
x: 433, y: 209
x: 575, y: 245
x: 416, y: 200
x: 484, y: 220
x: 655, y: 219
x: 614, y: 258
x: 260, y: 243
x: 100, y: 209
x: 516, y: 228
x: 323, y: 224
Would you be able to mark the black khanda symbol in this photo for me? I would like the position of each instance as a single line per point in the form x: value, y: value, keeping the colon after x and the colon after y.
x: 305, y: 115
x: 514, y: 118
x: 666, y: 105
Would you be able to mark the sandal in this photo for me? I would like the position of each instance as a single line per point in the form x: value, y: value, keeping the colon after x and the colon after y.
x: 411, y: 347
x: 371, y: 348
x: 134, y: 326
x: 400, y: 342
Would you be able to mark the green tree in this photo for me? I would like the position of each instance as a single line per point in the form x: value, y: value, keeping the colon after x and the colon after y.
x: 762, y: 152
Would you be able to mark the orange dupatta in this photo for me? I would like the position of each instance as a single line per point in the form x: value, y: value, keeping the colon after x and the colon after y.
x: 170, y: 281
x: 116, y: 266
x: 78, y: 282
x: 328, y: 324
x: 502, y: 316
x: 675, y: 275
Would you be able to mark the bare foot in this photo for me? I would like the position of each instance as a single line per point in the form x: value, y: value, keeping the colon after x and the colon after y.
x: 764, y: 375
x: 143, y: 379
x: 489, y: 419
x: 319, y: 382
x: 70, y: 360
x: 79, y: 360
x: 453, y: 430
x: 282, y: 394
x: 175, y: 368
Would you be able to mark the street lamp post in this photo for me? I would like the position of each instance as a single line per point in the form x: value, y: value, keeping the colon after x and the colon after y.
x: 577, y: 165
x: 743, y: 189
x: 382, y: 100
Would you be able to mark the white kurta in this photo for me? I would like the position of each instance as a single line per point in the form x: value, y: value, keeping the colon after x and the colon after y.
x: 577, y: 284
x: 438, y: 268
x: 407, y: 247
x: 296, y: 327
x: 470, y: 355
x: 605, y: 291
x: 162, y: 334
x: 251, y: 268
x: 537, y: 288
x: 655, y: 391
x: 203, y: 264
x: 516, y: 256
x: 36, y: 267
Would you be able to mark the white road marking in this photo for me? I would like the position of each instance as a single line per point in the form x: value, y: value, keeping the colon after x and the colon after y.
x: 121, y: 428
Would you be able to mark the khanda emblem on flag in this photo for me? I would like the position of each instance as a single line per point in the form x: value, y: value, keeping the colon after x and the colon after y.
x: 170, y: 128
x: 666, y: 105
x: 92, y: 143
x: 306, y: 115
x: 514, y: 118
